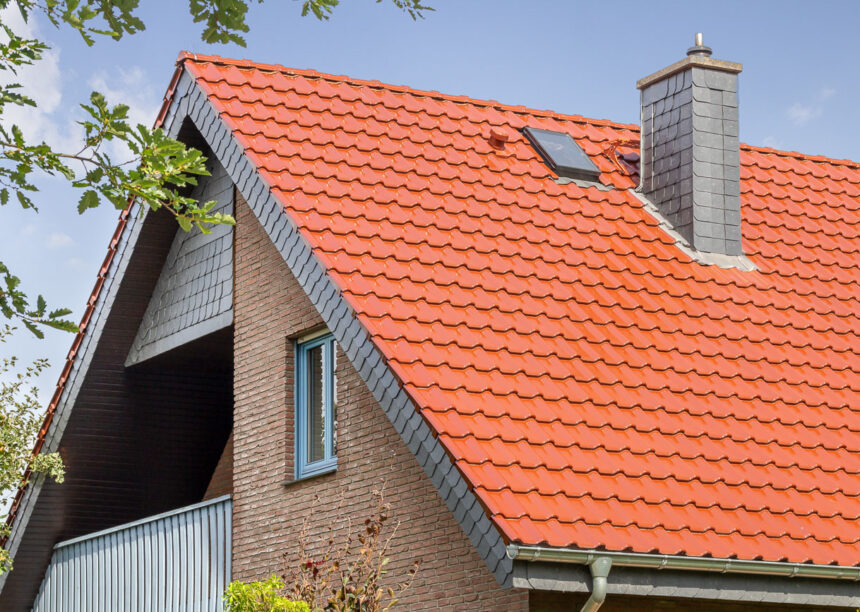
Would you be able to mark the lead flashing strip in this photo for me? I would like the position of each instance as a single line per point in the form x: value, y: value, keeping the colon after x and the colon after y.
x: 741, y: 262
x: 342, y: 321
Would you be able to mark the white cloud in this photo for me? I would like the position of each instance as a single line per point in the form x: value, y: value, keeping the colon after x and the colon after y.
x: 58, y: 240
x: 772, y: 142
x: 43, y: 83
x: 76, y: 263
x: 54, y: 120
x: 29, y: 229
x: 800, y: 114
x: 129, y: 86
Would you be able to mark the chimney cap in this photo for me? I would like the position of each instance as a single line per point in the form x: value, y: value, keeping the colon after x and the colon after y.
x: 699, y: 47
x: 697, y: 55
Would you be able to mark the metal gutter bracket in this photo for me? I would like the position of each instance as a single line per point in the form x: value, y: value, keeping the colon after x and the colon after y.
x: 599, y: 573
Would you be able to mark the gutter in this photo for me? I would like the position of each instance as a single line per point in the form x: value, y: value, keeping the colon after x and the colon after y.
x: 677, y: 562
x: 599, y: 562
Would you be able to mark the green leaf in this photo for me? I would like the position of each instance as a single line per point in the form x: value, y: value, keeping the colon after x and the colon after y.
x: 33, y: 329
x: 89, y: 199
x: 62, y: 325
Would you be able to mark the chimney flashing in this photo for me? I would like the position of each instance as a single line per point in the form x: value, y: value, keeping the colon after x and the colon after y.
x: 705, y: 258
x: 689, y: 62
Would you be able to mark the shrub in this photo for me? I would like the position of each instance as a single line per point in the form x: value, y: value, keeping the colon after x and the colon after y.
x: 260, y: 596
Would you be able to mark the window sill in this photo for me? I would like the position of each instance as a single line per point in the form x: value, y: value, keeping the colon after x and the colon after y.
x: 315, y: 471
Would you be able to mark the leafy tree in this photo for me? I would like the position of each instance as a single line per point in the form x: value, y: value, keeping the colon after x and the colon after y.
x: 20, y: 415
x: 156, y: 176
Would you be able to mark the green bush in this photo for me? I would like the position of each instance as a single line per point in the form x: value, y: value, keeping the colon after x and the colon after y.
x: 260, y: 596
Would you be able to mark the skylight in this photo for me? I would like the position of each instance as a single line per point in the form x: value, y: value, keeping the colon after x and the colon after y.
x: 561, y: 153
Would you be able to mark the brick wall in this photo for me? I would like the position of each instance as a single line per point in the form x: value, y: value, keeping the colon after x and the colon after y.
x: 221, y: 482
x: 271, y: 310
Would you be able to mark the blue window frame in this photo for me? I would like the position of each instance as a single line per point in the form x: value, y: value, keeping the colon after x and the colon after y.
x: 316, y: 406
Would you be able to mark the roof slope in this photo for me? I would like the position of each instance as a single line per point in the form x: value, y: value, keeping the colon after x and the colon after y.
x: 595, y: 386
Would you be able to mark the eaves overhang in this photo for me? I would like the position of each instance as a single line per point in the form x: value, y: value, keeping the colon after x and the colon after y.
x: 658, y: 575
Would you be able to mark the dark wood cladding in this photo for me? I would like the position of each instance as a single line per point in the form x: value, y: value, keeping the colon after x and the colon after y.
x: 139, y: 441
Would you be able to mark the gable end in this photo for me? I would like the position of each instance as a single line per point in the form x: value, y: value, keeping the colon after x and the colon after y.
x: 350, y: 334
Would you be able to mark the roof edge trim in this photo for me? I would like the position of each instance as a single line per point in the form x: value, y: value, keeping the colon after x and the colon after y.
x: 677, y: 562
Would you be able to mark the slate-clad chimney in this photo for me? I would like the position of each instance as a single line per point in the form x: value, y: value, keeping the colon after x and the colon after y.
x: 690, y: 164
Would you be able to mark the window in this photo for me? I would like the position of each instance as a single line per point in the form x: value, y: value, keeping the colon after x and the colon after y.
x: 316, y: 406
x: 561, y: 153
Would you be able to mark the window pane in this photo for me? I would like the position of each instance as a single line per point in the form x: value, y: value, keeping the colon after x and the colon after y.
x: 334, y: 399
x: 563, y: 153
x: 316, y: 404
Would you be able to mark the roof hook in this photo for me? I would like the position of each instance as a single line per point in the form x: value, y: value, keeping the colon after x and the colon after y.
x: 599, y: 573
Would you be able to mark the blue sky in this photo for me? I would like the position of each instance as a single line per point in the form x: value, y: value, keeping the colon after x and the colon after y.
x: 798, y: 91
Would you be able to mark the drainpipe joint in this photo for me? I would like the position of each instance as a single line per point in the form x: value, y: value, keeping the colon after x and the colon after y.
x: 599, y: 573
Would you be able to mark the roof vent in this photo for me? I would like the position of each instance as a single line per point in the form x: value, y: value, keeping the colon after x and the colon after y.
x: 498, y: 138
x: 561, y: 153
x: 700, y: 48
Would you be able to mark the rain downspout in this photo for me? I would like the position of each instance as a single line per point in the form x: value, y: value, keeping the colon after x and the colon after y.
x: 599, y: 572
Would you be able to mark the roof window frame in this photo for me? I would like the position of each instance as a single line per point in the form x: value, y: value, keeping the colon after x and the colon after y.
x: 587, y: 170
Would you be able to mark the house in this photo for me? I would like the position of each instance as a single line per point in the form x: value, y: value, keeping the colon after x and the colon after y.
x: 595, y: 365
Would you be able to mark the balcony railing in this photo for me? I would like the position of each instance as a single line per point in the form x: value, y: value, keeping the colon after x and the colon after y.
x: 176, y: 561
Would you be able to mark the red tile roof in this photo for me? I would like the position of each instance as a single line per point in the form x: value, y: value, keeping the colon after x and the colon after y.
x: 595, y: 386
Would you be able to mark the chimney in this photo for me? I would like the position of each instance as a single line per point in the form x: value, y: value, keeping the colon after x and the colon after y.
x: 690, y: 164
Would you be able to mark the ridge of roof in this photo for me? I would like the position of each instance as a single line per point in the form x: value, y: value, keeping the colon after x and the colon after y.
x: 434, y: 94
x: 430, y: 93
